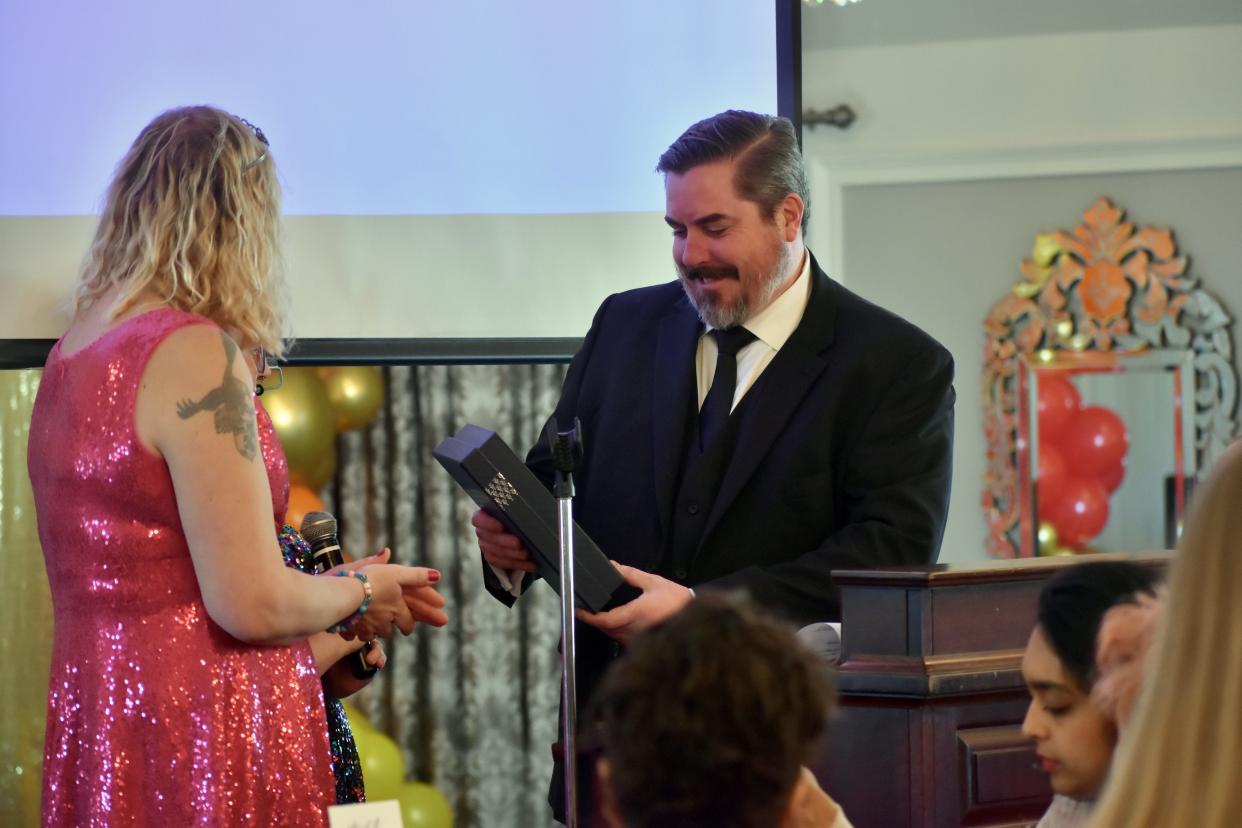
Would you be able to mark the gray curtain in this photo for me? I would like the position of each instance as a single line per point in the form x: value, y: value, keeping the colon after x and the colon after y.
x: 472, y: 705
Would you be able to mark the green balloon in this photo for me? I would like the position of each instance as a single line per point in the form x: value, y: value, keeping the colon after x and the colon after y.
x: 357, y: 719
x: 383, y: 767
x: 422, y: 806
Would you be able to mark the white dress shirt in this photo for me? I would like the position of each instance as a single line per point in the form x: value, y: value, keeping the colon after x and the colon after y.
x: 772, y: 328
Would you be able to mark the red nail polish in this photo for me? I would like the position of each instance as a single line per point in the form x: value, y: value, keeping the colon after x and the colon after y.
x: 433, y: 575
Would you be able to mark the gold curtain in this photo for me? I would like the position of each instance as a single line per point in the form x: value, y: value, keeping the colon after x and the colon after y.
x: 25, y: 611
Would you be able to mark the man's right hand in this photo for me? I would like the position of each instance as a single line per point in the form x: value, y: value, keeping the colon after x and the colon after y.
x: 500, y: 548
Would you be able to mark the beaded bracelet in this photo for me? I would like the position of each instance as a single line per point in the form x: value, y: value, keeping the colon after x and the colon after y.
x: 362, y: 608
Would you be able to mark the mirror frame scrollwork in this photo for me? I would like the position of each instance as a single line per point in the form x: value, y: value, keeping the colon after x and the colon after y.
x: 1107, y: 286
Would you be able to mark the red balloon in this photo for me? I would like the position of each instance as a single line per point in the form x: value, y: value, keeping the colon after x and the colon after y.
x: 1057, y: 401
x: 1112, y: 476
x: 1050, y: 475
x: 1080, y: 512
x: 1095, y: 441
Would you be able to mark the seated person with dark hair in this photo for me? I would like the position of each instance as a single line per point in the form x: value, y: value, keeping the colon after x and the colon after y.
x: 1075, y: 737
x: 709, y: 718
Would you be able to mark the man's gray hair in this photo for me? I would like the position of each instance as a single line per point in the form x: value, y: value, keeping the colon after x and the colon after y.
x: 769, y: 162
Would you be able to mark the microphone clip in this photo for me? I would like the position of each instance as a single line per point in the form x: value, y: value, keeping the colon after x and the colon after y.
x: 566, y: 450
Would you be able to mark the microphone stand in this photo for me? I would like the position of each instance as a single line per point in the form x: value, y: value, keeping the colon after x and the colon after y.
x: 566, y: 448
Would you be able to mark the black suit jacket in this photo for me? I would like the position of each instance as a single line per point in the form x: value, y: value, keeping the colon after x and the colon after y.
x: 844, y: 461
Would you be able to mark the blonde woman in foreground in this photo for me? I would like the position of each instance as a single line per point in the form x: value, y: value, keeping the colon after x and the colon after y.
x: 1179, y: 760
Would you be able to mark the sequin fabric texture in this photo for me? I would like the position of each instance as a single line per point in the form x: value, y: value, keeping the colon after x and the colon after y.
x: 156, y: 715
x: 345, y: 763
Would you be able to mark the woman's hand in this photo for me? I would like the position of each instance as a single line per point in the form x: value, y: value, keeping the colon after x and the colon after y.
x: 381, y: 557
x: 340, y: 682
x: 397, y: 594
x: 426, y: 605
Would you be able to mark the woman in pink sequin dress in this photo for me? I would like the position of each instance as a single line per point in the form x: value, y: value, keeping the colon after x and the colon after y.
x: 186, y: 660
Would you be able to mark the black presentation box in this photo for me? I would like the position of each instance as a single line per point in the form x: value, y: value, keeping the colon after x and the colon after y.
x: 502, y: 486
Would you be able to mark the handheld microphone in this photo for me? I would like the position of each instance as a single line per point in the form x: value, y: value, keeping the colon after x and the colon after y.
x: 319, y: 532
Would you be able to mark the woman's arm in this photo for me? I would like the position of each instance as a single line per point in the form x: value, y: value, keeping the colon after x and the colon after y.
x: 195, y: 409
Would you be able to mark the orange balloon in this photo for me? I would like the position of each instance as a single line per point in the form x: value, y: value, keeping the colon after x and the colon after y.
x: 301, y: 501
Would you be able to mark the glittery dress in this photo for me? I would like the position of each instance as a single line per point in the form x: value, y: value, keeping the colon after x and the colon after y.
x: 156, y: 715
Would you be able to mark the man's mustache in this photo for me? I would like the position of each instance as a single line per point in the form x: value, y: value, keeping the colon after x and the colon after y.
x: 709, y: 273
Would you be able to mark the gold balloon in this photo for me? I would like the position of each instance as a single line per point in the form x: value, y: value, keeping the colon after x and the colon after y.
x: 1062, y: 551
x: 356, y: 393
x: 25, y: 611
x: 305, y: 423
x: 1047, y: 536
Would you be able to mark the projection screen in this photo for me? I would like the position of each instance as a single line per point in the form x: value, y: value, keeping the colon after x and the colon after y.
x: 453, y: 173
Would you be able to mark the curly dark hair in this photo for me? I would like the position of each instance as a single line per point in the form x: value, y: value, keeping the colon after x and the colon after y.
x: 770, y: 164
x: 709, y: 716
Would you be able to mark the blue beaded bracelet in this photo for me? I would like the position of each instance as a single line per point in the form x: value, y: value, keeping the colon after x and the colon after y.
x: 362, y: 608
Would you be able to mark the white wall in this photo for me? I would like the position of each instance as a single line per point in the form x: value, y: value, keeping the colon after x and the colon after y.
x: 964, y: 150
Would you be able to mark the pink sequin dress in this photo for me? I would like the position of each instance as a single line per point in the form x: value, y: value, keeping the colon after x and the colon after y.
x: 156, y: 715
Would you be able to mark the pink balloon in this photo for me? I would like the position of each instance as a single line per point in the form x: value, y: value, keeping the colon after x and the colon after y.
x: 1094, y: 441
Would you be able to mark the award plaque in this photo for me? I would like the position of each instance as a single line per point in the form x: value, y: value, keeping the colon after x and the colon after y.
x: 499, y: 482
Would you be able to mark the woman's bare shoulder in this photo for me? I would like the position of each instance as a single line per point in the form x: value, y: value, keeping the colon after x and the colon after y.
x: 196, y: 369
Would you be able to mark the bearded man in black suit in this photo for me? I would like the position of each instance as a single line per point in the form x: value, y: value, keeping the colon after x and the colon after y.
x: 751, y: 425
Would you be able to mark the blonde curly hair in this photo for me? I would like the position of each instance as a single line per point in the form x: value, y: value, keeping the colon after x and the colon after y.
x: 193, y: 215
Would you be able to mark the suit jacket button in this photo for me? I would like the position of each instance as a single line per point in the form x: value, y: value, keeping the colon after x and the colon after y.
x: 680, y: 575
x: 693, y: 508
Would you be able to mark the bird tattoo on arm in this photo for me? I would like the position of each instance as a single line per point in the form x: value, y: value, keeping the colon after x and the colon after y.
x: 228, y: 403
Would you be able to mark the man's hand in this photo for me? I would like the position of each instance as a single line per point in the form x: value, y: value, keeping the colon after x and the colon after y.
x: 660, y: 599
x: 500, y: 549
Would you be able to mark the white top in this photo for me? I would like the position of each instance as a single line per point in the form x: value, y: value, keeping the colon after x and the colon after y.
x: 1066, y: 813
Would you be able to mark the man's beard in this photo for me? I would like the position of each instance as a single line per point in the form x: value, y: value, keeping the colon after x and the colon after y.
x: 723, y: 317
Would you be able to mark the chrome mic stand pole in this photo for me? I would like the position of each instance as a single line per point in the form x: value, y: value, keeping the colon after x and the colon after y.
x: 566, y: 447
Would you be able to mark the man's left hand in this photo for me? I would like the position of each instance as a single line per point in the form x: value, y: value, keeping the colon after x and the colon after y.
x: 660, y: 599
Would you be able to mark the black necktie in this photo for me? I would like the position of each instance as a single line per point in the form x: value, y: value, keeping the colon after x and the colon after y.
x: 719, y: 400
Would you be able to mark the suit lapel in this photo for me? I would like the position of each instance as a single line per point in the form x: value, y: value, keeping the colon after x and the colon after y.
x: 673, y: 397
x: 780, y: 389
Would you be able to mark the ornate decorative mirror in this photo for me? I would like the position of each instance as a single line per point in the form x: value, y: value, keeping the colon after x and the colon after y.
x: 1108, y: 390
